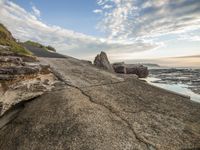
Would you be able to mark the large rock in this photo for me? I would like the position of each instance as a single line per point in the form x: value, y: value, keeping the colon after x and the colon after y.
x: 140, y: 70
x: 101, y: 61
x: 119, y: 67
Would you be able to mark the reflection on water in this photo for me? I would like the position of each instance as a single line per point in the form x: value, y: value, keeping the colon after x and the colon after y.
x: 178, y: 88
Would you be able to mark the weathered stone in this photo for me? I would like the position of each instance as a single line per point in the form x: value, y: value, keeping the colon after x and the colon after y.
x: 139, y: 70
x: 21, y: 70
x: 101, y: 61
x: 119, y: 67
x: 19, y: 81
x: 16, y: 60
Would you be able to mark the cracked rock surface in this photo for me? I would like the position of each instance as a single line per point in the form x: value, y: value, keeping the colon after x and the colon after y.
x: 95, y: 109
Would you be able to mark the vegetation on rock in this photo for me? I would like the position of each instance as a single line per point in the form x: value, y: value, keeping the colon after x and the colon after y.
x: 6, y: 39
x: 36, y: 44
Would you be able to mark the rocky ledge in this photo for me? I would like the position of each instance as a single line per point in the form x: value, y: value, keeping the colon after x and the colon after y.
x: 22, y: 78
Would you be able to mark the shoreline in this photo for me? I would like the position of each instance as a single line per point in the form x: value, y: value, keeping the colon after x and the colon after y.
x: 170, y: 88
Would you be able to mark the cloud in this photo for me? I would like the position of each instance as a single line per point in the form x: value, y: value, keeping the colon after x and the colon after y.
x: 27, y: 26
x: 191, y: 36
x: 97, y: 11
x: 131, y: 19
x: 107, y: 6
x: 36, y: 11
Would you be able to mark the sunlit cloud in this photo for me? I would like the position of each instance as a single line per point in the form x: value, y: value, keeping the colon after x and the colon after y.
x: 143, y: 19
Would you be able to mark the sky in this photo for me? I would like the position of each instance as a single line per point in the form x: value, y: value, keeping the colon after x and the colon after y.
x: 124, y: 29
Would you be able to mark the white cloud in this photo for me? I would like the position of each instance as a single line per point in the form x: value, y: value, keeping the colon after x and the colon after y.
x: 141, y: 18
x: 26, y: 26
x: 36, y: 11
x: 97, y: 11
x: 192, y: 36
x: 107, y: 6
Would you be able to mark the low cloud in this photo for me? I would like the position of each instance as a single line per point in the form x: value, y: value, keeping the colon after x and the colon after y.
x: 27, y: 26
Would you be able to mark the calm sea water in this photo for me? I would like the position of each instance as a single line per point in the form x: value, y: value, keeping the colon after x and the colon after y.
x: 178, y: 88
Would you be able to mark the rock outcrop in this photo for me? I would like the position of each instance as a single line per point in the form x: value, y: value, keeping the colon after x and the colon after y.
x: 122, y: 68
x: 101, y: 61
x: 94, y: 109
x: 21, y: 80
x: 90, y: 109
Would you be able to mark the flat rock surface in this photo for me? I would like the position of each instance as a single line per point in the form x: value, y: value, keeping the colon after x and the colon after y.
x: 95, y: 109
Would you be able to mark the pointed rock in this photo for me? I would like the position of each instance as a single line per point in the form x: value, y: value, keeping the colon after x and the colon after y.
x: 101, y: 61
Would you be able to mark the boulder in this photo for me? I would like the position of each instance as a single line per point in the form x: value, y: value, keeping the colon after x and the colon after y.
x: 119, y: 67
x: 101, y: 61
x: 140, y: 70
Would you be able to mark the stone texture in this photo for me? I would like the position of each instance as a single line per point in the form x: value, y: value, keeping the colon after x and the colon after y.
x: 101, y: 61
x: 95, y: 109
x: 21, y: 81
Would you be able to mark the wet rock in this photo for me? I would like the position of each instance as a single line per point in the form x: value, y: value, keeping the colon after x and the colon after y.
x: 101, y: 61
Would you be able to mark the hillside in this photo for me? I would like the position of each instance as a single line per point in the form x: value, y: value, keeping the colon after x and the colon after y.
x: 6, y: 39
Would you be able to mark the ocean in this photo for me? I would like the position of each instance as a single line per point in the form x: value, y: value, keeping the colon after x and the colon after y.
x: 185, y: 81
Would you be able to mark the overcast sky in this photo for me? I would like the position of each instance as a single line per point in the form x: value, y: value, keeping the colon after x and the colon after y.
x: 125, y: 29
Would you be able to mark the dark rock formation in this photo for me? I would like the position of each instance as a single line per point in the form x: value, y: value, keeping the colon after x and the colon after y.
x: 101, y: 61
x: 119, y: 67
x: 140, y: 70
